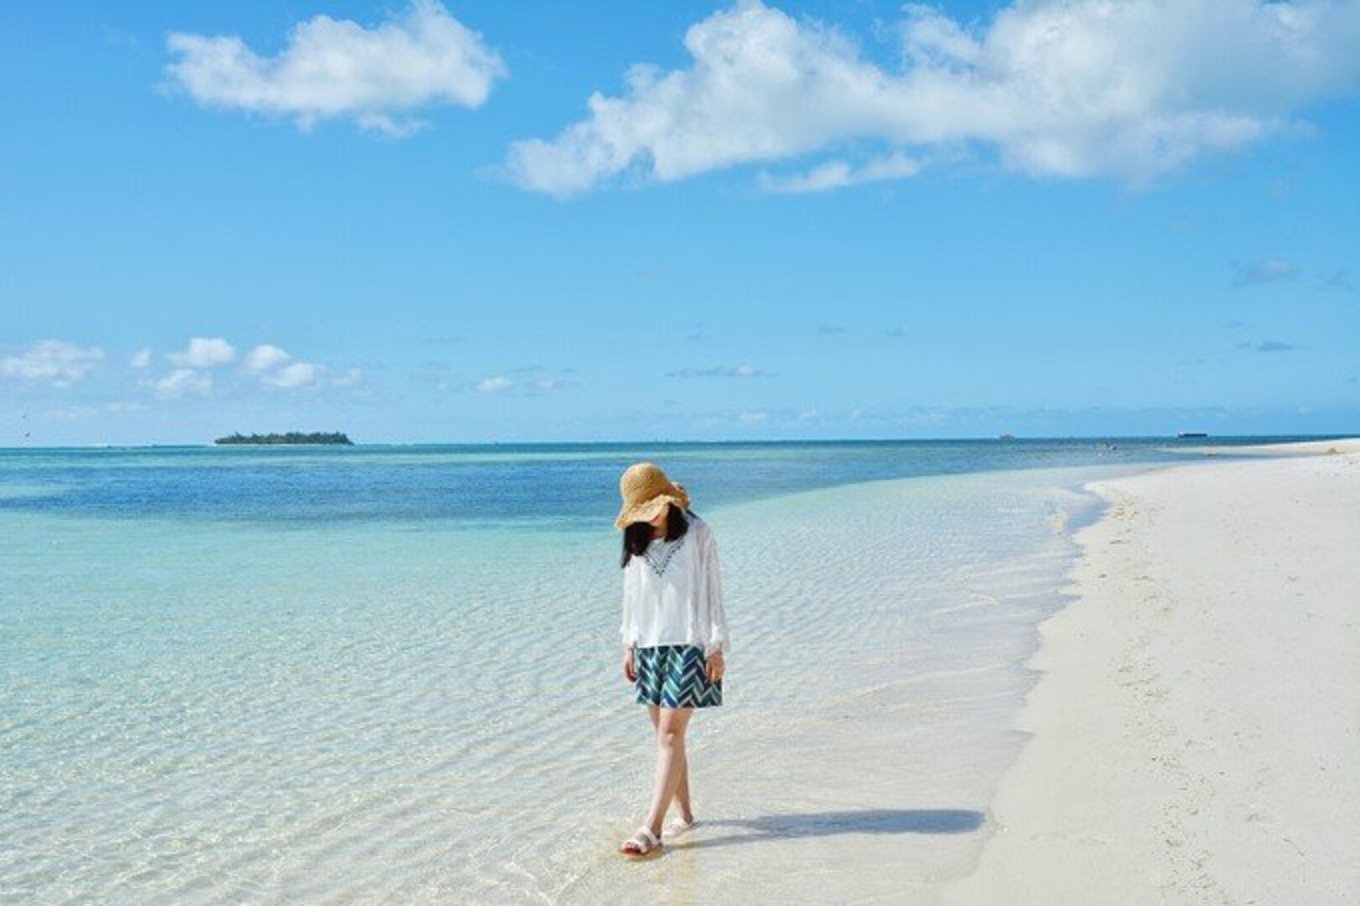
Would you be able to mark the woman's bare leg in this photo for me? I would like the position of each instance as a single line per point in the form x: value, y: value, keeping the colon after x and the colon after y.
x: 670, y: 762
x: 681, y: 798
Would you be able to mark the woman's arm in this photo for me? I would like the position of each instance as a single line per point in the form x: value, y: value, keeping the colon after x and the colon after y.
x: 628, y: 628
x: 628, y: 625
x: 713, y: 597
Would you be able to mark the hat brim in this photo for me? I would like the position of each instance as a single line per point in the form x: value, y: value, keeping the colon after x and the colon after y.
x: 647, y: 510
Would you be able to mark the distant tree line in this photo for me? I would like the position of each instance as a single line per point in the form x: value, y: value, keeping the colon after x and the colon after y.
x: 291, y: 437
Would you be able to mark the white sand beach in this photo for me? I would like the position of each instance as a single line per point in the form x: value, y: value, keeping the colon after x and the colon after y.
x: 1196, y: 730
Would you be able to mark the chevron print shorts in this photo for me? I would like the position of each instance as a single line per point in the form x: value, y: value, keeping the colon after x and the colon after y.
x: 675, y: 676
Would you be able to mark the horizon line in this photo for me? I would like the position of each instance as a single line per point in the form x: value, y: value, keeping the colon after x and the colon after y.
x: 719, y: 442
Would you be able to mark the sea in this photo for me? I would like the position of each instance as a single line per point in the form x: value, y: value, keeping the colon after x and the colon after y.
x: 393, y: 673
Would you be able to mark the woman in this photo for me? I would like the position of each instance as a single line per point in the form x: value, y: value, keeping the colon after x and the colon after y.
x: 674, y: 632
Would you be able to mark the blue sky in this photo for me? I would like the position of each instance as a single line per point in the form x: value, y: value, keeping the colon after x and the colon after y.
x: 812, y: 220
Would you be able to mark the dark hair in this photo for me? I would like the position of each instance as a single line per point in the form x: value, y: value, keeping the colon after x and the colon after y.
x: 638, y: 535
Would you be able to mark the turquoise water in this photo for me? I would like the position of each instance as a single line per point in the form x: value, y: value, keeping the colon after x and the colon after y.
x: 391, y: 672
x: 557, y: 485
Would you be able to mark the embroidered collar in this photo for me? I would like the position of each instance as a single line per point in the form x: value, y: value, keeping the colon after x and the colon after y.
x: 659, y: 553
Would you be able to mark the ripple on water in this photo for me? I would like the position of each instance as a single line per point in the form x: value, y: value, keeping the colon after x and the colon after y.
x: 359, y: 712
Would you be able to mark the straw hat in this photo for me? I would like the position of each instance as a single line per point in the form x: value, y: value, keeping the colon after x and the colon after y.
x: 646, y: 490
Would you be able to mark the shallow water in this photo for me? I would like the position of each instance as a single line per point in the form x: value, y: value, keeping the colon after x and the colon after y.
x: 393, y: 673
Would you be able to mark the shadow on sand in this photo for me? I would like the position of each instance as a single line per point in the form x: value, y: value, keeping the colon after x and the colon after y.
x: 825, y: 824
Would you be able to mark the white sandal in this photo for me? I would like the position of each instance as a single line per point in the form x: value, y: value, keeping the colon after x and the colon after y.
x: 647, y: 844
x: 678, y: 826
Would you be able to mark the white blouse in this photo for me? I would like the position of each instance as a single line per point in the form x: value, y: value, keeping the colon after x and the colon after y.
x: 672, y: 593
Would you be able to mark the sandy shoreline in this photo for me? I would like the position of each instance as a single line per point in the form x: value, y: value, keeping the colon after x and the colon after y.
x: 1196, y: 732
x: 1193, y: 735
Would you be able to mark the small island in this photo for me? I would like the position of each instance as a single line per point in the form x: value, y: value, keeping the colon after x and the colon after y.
x: 291, y: 437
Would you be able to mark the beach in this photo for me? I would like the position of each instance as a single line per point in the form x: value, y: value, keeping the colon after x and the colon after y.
x: 1196, y: 730
x: 347, y: 675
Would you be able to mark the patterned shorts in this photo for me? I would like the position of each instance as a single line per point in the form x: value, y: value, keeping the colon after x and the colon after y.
x: 675, y: 676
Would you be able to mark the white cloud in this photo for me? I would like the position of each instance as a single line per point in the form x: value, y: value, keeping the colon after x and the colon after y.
x: 1065, y: 88
x: 348, y: 378
x: 338, y: 68
x: 493, y: 385
x: 73, y: 413
x: 733, y: 371
x: 52, y: 361
x: 837, y: 174
x: 1266, y: 270
x: 263, y: 358
x: 751, y: 419
x: 295, y: 376
x: 204, y: 352
x: 140, y: 359
x: 266, y: 363
x: 183, y: 382
x: 276, y: 368
x: 271, y: 365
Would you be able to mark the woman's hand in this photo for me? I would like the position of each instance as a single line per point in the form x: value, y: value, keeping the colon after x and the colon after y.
x: 629, y: 670
x: 715, y: 666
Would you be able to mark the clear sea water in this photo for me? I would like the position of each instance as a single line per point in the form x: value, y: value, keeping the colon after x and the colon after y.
x: 391, y: 673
